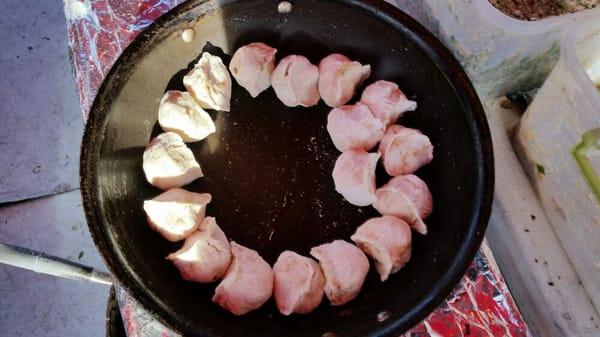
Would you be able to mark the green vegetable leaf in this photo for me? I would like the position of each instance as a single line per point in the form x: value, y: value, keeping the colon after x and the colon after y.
x: 541, y: 169
x: 587, y: 155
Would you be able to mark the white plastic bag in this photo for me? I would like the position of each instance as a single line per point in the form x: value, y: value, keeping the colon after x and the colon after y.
x: 555, y: 136
x: 501, y: 54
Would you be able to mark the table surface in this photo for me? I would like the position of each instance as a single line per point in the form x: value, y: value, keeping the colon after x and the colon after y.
x: 481, y: 305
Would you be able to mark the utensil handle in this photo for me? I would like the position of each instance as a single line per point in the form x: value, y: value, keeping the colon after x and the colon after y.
x: 50, y: 265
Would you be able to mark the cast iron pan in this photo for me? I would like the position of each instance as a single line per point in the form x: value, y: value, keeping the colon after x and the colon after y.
x: 269, y: 167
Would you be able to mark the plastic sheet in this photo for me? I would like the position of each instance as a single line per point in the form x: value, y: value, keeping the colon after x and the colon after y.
x: 557, y: 141
x: 501, y: 54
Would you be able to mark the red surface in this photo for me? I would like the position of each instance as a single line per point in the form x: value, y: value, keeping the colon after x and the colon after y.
x: 481, y: 304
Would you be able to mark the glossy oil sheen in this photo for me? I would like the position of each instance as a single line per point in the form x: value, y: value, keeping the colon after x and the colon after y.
x: 268, y: 167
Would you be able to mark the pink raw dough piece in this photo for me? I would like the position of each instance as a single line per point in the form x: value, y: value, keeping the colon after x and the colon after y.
x: 404, y: 150
x: 295, y: 81
x: 339, y: 77
x: 248, y: 283
x: 387, y: 240
x: 205, y: 254
x: 252, y: 66
x: 178, y: 112
x: 354, y: 176
x: 408, y: 198
x: 168, y: 162
x: 354, y: 127
x: 345, y: 268
x: 386, y: 101
x: 299, y: 283
x: 176, y: 213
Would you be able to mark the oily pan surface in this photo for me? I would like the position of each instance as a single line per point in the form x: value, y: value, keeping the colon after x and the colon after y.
x: 268, y: 167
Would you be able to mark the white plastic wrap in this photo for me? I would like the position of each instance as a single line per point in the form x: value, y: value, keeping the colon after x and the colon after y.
x: 501, y: 54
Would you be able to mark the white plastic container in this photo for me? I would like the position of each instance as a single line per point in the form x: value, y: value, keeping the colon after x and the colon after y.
x: 501, y: 54
x: 566, y: 107
x: 534, y: 263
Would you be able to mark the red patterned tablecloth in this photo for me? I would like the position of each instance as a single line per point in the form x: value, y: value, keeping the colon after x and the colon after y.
x: 481, y: 305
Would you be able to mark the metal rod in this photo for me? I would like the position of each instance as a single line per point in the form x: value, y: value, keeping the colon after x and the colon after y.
x: 50, y: 265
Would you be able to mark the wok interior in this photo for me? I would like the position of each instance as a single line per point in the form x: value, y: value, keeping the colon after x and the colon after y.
x: 269, y: 167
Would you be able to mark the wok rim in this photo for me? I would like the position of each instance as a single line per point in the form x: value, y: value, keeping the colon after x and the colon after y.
x: 484, y: 186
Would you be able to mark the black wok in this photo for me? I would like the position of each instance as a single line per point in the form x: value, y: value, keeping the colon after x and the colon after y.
x: 268, y: 167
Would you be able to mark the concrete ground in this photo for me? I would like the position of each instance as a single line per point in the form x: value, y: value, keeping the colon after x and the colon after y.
x: 40, y: 133
x: 41, y: 124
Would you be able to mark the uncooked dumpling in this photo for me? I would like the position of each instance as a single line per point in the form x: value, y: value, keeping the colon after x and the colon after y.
x: 408, y: 198
x: 354, y: 127
x: 176, y: 213
x: 404, y: 150
x: 345, y: 268
x: 205, y: 254
x: 339, y: 77
x: 299, y: 283
x: 180, y: 113
x: 248, y: 283
x: 354, y: 176
x: 252, y: 66
x: 295, y: 81
x: 386, y: 101
x: 209, y: 83
x: 169, y: 163
x: 387, y: 240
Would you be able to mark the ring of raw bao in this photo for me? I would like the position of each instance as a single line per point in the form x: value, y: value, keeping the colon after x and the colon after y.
x: 297, y: 282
